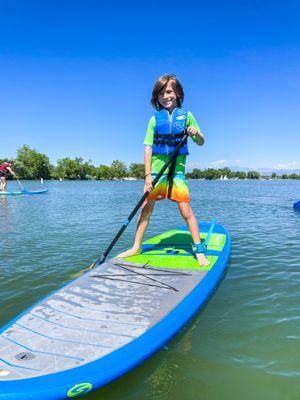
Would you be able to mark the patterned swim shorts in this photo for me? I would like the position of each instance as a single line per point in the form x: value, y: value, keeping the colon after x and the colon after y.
x: 178, y: 192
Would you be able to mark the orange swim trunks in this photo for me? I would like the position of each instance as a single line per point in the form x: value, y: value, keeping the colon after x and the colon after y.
x: 179, y: 190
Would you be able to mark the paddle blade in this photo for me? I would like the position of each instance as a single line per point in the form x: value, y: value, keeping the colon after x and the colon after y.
x: 25, y: 191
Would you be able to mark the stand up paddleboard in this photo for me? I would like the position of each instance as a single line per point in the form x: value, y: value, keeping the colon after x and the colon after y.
x: 20, y: 192
x: 109, y: 320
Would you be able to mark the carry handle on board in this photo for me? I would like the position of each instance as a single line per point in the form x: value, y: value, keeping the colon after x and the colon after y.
x: 102, y: 258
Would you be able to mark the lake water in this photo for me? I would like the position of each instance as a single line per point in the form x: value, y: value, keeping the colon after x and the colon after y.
x: 244, y: 344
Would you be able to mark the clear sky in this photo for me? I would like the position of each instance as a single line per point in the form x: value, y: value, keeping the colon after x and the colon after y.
x: 76, y: 77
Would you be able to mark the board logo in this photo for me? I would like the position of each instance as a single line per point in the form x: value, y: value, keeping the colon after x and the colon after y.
x: 79, y: 389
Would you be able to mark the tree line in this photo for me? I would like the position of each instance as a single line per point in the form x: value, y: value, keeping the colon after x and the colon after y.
x: 30, y: 164
x: 211, y: 173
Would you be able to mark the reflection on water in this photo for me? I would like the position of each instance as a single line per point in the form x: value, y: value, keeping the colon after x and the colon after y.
x: 4, y: 212
x: 243, y: 344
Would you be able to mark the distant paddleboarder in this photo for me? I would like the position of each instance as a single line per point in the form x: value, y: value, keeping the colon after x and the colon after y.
x: 164, y: 133
x: 5, y: 169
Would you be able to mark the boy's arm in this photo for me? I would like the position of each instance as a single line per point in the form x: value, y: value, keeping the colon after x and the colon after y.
x: 147, y: 160
x: 196, y: 135
x: 148, y: 142
x: 194, y: 130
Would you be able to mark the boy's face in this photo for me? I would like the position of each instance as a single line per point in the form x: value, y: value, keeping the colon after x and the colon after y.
x: 167, y: 98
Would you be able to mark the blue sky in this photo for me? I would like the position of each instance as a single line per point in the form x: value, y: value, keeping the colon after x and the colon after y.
x: 76, y: 77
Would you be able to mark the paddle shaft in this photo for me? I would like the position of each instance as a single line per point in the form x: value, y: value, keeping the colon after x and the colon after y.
x: 22, y: 187
x: 209, y: 233
x: 102, y: 258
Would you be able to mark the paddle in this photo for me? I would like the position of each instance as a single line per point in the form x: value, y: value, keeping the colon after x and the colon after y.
x: 209, y: 233
x: 102, y: 258
x: 22, y: 187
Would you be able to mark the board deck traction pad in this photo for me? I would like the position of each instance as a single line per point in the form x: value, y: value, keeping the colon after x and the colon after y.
x: 103, y: 311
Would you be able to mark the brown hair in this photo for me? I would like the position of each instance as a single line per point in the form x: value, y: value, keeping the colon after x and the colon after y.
x: 161, y: 84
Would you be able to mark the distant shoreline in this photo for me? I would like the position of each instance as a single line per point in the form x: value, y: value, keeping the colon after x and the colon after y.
x: 32, y: 165
x: 130, y: 179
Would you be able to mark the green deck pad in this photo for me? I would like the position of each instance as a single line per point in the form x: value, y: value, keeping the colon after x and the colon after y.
x: 170, y: 261
x: 173, y: 249
x: 216, y: 241
x: 179, y: 237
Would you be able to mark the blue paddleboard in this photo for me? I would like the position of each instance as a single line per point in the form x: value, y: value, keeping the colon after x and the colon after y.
x: 20, y: 192
x: 108, y: 321
x: 297, y: 205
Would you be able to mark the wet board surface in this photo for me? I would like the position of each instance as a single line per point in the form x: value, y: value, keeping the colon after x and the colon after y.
x: 109, y: 320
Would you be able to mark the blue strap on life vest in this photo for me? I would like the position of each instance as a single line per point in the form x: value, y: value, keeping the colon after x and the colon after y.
x: 169, y: 131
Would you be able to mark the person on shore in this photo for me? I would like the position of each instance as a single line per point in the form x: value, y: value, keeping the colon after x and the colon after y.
x: 164, y: 132
x: 6, y: 169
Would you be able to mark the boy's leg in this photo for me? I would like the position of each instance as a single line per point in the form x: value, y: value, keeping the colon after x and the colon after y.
x: 142, y: 225
x: 192, y: 223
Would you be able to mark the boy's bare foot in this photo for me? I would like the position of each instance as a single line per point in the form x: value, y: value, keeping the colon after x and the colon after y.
x: 131, y: 252
x: 202, y: 260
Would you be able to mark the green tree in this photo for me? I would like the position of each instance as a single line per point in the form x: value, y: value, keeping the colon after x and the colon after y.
x: 68, y: 168
x: 104, y: 172
x: 31, y: 164
x: 274, y: 175
x: 196, y: 173
x: 224, y: 172
x: 118, y: 169
x: 210, y: 174
x: 293, y: 176
x: 240, y: 174
x: 91, y: 170
x: 253, y: 175
x: 86, y: 169
x: 55, y: 172
x: 137, y: 170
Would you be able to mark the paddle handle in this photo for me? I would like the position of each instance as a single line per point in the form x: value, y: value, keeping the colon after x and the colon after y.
x: 102, y: 258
